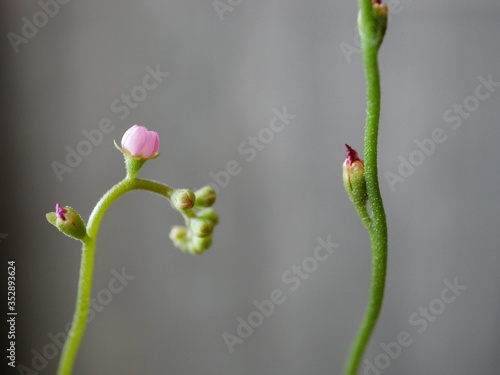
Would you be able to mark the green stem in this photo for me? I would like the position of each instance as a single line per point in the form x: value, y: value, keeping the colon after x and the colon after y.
x: 364, y: 215
x: 87, y: 263
x: 377, y: 227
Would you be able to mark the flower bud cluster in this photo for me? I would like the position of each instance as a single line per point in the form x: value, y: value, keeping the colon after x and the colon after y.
x: 196, y: 236
x: 139, y: 145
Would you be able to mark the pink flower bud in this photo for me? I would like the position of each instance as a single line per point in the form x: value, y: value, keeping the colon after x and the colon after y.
x: 138, y: 141
x: 354, y: 176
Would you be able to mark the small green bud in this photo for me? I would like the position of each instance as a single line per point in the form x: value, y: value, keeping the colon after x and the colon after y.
x: 201, y: 227
x: 354, y: 177
x: 205, y: 197
x: 178, y: 233
x: 199, y: 244
x: 182, y: 199
x: 374, y: 31
x: 68, y: 221
x: 209, y: 214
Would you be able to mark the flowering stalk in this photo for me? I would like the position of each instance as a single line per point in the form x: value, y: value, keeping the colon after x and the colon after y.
x: 138, y: 146
x: 372, y: 23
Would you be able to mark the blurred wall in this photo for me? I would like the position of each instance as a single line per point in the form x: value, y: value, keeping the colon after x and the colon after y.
x: 229, y: 74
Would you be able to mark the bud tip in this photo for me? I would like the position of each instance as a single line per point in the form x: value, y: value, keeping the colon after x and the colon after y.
x: 351, y: 155
x: 60, y: 211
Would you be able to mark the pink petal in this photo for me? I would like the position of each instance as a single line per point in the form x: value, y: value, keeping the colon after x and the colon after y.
x: 139, y: 141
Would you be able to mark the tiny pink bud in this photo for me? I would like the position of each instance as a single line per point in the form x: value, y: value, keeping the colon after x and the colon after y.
x: 376, y: 1
x: 354, y: 176
x: 60, y: 211
x: 140, y: 142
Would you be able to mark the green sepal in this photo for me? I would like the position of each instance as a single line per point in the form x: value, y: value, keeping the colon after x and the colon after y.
x: 133, y: 163
x: 51, y: 218
x: 355, y: 183
x: 372, y: 29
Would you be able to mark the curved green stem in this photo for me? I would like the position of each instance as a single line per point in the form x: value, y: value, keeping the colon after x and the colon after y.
x: 364, y: 215
x: 87, y: 263
x: 377, y: 227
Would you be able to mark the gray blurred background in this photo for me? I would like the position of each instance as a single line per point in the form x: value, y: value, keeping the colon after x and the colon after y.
x: 227, y: 73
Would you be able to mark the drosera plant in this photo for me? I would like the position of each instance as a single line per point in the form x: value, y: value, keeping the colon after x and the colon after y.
x: 138, y: 146
x: 361, y: 177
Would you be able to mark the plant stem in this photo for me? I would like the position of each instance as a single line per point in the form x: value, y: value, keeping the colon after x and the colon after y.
x: 377, y: 228
x: 81, y: 312
x: 87, y: 263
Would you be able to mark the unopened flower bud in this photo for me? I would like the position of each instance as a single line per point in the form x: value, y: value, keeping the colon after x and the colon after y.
x: 140, y: 142
x: 138, y: 146
x: 177, y: 233
x: 354, y: 177
x: 68, y: 221
x: 201, y: 227
x: 373, y: 32
x: 182, y: 199
x: 205, y: 197
x: 209, y: 214
x: 199, y: 244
